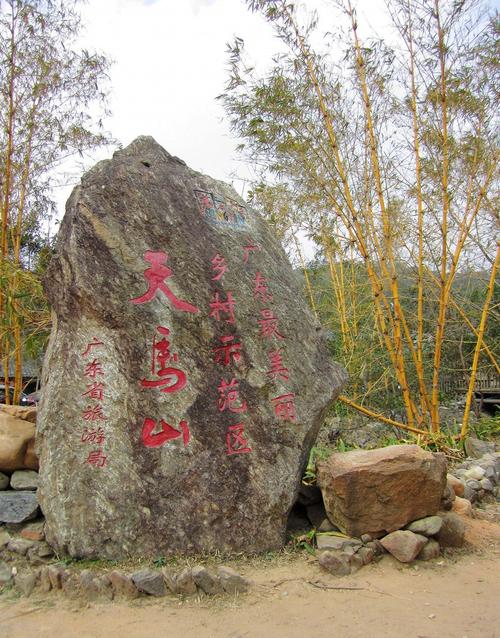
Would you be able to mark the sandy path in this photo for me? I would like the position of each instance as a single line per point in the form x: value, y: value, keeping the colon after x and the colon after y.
x: 455, y: 597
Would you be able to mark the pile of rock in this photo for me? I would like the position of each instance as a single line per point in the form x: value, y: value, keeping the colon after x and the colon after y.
x: 116, y: 584
x: 479, y: 475
x: 386, y: 500
x: 18, y: 465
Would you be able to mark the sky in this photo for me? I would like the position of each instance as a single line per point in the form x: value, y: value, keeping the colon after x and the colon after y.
x: 169, y: 64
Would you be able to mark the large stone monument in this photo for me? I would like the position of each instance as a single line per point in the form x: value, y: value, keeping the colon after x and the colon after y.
x: 185, y: 378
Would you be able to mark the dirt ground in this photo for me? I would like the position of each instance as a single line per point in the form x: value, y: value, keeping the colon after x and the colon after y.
x: 455, y: 596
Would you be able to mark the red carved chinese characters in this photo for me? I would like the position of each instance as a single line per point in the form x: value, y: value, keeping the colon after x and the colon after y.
x: 229, y: 396
x: 170, y: 379
x: 219, y: 267
x: 269, y: 325
x: 92, y: 344
x: 236, y: 443
x: 97, y: 458
x: 93, y: 369
x: 228, y: 351
x: 278, y: 370
x: 220, y: 307
x: 156, y: 276
x: 94, y: 412
x: 150, y: 438
x: 284, y: 407
x: 260, y: 290
x: 95, y: 435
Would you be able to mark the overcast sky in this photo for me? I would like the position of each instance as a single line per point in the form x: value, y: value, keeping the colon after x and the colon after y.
x: 169, y: 65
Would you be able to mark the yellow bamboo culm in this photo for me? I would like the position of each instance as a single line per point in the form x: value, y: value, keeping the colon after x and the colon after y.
x: 480, y: 334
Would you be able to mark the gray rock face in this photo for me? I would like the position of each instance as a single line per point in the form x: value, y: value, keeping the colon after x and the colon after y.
x: 183, y: 364
x: 17, y: 507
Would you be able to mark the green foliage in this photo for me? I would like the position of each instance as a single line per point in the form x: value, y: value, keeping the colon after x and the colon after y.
x: 317, y: 453
x: 305, y: 542
x: 487, y: 428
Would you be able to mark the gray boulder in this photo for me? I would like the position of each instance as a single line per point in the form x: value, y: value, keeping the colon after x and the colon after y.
x: 18, y: 507
x: 150, y: 582
x: 183, y: 363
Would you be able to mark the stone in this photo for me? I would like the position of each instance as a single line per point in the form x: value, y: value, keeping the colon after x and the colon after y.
x: 41, y: 550
x: 25, y: 582
x: 5, y: 538
x: 206, y: 581
x: 231, y: 581
x: 367, y: 554
x: 150, y: 248
x: 475, y: 472
x: 20, y: 546
x: 149, y: 582
x: 456, y: 484
x: 376, y: 546
x: 452, y: 532
x: 475, y: 448
x: 86, y: 580
x: 447, y: 498
x: 4, y: 481
x: 185, y: 583
x: 470, y: 494
x: 429, y: 551
x: 428, y: 526
x: 18, y: 507
x: 337, y: 563
x: 34, y: 531
x: 24, y: 480
x: 31, y: 457
x: 102, y: 587
x: 404, y: 545
x: 15, y: 434
x: 473, y: 484
x: 45, y: 582
x: 25, y: 413
x: 373, y: 491
x: 332, y: 541
x: 462, y: 506
x: 123, y: 587
x: 5, y: 574
x: 56, y: 573
x: 486, y: 485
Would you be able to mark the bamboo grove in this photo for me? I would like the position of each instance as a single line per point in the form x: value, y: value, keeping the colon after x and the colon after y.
x: 385, y: 154
x: 46, y: 91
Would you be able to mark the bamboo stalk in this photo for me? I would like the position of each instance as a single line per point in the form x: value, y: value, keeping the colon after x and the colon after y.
x: 475, y: 361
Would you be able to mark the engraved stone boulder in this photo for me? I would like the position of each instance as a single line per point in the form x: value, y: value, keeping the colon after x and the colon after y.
x: 185, y: 379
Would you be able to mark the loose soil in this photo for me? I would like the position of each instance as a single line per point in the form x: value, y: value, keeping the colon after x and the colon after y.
x: 455, y: 596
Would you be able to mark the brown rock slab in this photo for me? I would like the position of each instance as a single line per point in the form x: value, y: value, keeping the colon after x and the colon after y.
x: 177, y: 298
x: 33, y: 531
x: 206, y: 581
x: 404, y: 545
x: 371, y: 491
x: 26, y: 582
x: 15, y: 434
x: 185, y: 583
